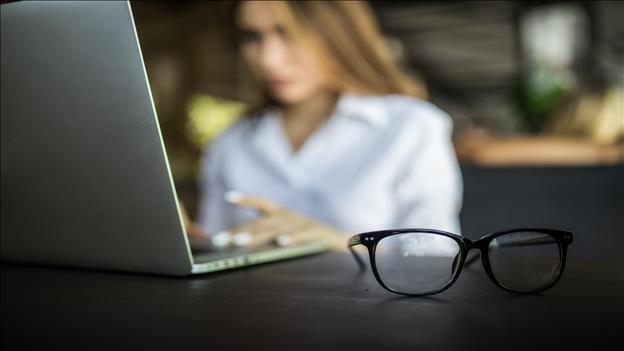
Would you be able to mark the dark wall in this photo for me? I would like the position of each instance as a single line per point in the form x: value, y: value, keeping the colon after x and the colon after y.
x: 586, y: 200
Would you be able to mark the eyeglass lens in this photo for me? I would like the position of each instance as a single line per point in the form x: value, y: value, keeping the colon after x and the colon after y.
x: 524, y: 261
x: 416, y: 263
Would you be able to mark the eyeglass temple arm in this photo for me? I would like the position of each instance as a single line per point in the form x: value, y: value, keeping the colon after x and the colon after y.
x: 353, y: 241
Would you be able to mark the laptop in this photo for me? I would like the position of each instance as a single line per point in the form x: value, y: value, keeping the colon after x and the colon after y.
x: 84, y: 174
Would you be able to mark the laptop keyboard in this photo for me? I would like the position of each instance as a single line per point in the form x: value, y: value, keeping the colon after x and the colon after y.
x: 205, y: 256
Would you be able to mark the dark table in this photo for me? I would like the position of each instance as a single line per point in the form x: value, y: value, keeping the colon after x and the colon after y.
x: 324, y: 302
x: 317, y: 302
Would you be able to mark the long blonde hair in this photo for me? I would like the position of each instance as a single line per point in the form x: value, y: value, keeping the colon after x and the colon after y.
x: 345, y: 39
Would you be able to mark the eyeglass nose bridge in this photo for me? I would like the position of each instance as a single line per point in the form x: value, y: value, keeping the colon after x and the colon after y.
x: 469, y: 244
x: 479, y: 245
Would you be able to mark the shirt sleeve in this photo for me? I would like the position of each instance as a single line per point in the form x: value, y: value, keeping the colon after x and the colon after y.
x: 429, y: 189
x: 211, y: 216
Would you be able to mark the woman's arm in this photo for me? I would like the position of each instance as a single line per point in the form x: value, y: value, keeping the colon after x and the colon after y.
x: 210, y: 215
x: 192, y: 230
x: 429, y: 190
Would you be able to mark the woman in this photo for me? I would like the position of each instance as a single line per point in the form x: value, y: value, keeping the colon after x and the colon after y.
x: 343, y: 142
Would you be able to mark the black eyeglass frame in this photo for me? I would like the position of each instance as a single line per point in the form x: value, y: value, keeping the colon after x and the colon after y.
x: 371, y: 239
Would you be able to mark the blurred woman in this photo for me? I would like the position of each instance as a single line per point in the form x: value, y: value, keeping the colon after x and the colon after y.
x: 341, y: 142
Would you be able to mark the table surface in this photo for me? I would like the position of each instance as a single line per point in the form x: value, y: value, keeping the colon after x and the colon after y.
x: 324, y: 302
x: 316, y: 302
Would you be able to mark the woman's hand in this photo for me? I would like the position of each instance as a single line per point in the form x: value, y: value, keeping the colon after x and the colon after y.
x: 192, y: 230
x: 280, y: 226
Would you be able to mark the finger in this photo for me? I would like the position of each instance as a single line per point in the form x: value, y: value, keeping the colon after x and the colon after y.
x: 303, y: 231
x: 258, y: 203
x: 262, y: 224
x: 195, y: 231
x: 295, y: 238
x: 331, y: 241
x: 334, y: 239
x: 269, y: 235
x: 259, y: 232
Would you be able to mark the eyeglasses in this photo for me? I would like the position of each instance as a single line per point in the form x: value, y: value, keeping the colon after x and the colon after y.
x: 420, y: 262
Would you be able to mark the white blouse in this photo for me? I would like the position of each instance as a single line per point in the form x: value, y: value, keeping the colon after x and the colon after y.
x: 379, y: 162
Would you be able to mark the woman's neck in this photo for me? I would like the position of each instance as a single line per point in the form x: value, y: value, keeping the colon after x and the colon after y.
x: 303, y: 119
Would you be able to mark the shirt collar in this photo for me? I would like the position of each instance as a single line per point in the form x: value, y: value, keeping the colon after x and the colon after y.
x: 369, y: 109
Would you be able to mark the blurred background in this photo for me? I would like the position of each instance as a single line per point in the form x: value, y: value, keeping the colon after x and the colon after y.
x: 535, y: 90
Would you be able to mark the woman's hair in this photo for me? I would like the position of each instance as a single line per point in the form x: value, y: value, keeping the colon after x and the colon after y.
x: 345, y: 40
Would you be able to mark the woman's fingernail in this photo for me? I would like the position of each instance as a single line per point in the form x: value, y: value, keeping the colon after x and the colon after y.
x: 232, y: 196
x: 221, y: 239
x: 241, y: 239
x: 282, y: 240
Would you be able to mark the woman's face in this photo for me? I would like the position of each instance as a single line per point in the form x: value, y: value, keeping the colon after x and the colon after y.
x: 289, y: 75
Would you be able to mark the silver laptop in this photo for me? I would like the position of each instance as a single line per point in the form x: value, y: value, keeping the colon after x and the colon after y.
x: 85, y: 177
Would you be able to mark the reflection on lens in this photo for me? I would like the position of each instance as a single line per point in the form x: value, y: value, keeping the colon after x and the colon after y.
x: 416, y: 263
x: 524, y: 261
